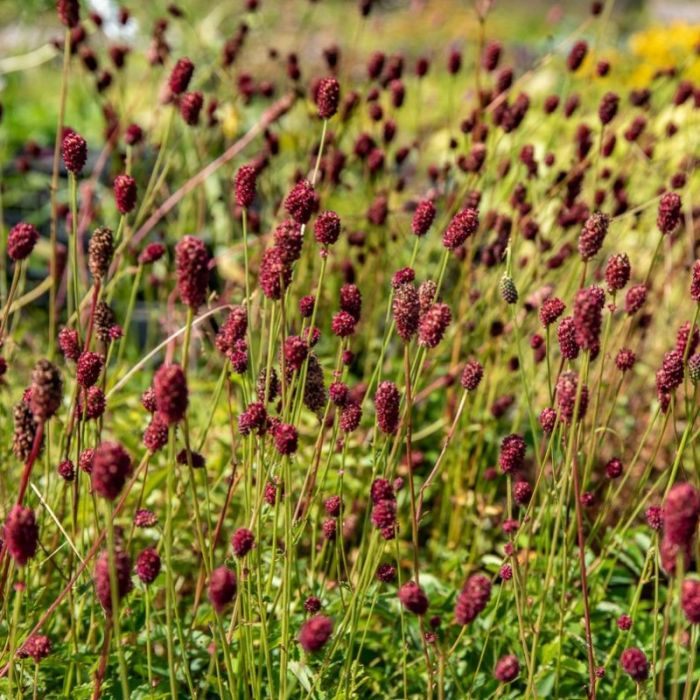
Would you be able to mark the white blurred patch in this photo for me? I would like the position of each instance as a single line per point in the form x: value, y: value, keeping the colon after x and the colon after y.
x: 111, y: 26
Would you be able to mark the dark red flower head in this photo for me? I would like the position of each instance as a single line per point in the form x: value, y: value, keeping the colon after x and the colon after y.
x: 635, y: 298
x: 38, y: 647
x: 351, y: 300
x: 625, y: 359
x: 327, y: 228
x: 69, y: 343
x: 566, y: 397
x: 695, y: 282
x: 332, y: 506
x: 547, y: 420
x: 242, y: 541
x: 88, y: 368
x: 148, y: 565
x: 406, y: 311
x: 232, y: 330
x: 423, y: 217
x: 68, y: 12
x: 289, y: 240
x: 125, y: 193
x: 155, y: 436
x: 386, y: 573
x: 330, y: 529
x: 122, y: 564
x: 306, y: 305
x: 387, y: 401
x: 381, y: 490
x: 111, y: 465
x: 669, y: 216
x: 464, y: 224
x: 300, y: 201
x: 472, y: 599
x: 433, y: 324
x: 191, y: 104
x: 192, y: 264
x: 681, y: 512
x: 592, y: 235
x: 253, y: 419
x: 21, y: 241
x: 274, y: 272
x: 507, y: 669
x: 607, y: 109
x: 343, y: 324
x: 21, y: 534
x: 512, y: 455
x: 454, y: 61
x: 222, y: 588
x: 576, y: 55
x: 286, y: 439
x: 170, y: 387
x: 145, y: 518
x: 66, y: 470
x: 152, y: 253
x: 617, y: 272
x: 551, y: 310
x: 350, y: 417
x: 315, y: 633
x: 295, y: 351
x: 180, y: 76
x: 670, y: 553
x: 327, y: 97
x: 384, y: 516
x: 655, y: 517
x: 413, y: 598
x: 246, y: 178
x: 491, y: 55
x: 614, y: 468
x: 522, y: 493
x: 472, y: 374
x: 635, y: 664
x: 74, y: 149
x: 403, y: 276
x: 624, y: 622
x: 588, y: 307
x: 47, y: 390
x: 690, y: 600
x: 133, y: 135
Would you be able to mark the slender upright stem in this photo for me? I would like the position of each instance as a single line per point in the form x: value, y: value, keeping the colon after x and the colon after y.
x: 54, y: 192
x: 247, y: 289
x: 16, y: 275
x: 409, y: 462
x: 320, y: 152
x: 74, y: 276
x: 113, y: 615
x: 584, y: 581
x: 169, y: 574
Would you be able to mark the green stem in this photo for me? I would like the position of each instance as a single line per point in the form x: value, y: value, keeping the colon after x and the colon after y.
x: 129, y: 313
x: 74, y: 247
x: 114, y: 590
x: 169, y: 574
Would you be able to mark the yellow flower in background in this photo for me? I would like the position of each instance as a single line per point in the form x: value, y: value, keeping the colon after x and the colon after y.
x: 662, y: 47
x: 228, y: 117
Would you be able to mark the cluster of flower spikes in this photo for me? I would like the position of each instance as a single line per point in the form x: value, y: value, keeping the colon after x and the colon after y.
x: 327, y: 97
x: 383, y: 499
